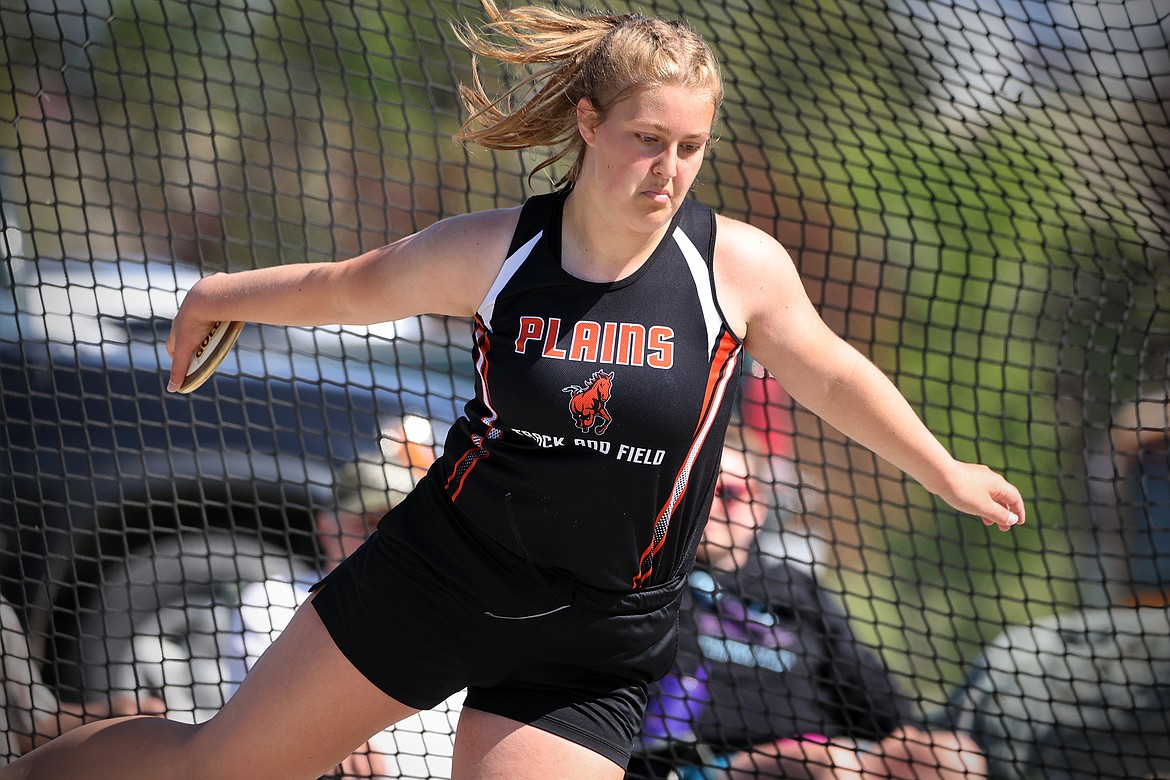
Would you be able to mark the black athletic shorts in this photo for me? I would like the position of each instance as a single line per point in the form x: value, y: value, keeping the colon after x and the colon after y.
x: 428, y: 606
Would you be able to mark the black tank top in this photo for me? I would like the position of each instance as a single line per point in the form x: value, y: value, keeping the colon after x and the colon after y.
x: 593, y: 442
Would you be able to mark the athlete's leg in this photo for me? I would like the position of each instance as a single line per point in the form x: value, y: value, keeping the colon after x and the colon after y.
x: 492, y: 747
x: 301, y: 710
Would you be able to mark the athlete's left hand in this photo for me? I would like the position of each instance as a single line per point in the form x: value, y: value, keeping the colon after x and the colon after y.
x: 975, y: 489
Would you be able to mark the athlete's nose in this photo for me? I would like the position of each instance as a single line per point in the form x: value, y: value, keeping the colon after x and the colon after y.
x: 667, y: 164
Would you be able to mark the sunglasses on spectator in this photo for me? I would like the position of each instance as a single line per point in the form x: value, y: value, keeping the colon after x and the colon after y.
x: 734, y: 491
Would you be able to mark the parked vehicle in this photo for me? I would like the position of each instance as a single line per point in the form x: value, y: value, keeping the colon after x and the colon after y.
x: 108, y: 484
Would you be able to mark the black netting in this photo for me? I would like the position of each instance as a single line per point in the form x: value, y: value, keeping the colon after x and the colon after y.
x: 977, y: 195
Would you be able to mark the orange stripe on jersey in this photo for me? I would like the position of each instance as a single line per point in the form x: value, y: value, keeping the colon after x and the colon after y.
x: 463, y: 467
x: 720, y: 374
x: 475, y: 454
x: 727, y: 344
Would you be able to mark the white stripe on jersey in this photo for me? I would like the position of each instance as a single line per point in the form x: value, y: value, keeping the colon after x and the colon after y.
x: 703, y: 286
x: 488, y: 307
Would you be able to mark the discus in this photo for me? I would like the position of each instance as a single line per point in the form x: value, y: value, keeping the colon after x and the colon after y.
x: 210, y: 354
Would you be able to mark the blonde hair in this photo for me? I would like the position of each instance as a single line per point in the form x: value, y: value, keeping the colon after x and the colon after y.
x: 603, y: 58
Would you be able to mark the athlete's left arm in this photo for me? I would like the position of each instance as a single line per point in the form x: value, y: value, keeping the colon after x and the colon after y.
x: 765, y: 302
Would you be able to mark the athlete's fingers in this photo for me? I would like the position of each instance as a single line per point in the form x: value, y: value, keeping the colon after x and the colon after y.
x: 1005, y: 520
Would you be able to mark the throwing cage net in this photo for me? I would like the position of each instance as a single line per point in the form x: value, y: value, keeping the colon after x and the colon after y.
x: 976, y: 193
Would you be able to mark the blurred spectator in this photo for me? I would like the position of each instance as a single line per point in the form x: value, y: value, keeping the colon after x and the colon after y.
x: 768, y: 416
x: 30, y: 713
x: 770, y: 680
x: 26, y: 701
x: 422, y: 745
x: 1079, y: 695
x: 1129, y: 491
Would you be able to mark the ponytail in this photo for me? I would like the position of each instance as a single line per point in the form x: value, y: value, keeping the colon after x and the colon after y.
x: 567, y: 58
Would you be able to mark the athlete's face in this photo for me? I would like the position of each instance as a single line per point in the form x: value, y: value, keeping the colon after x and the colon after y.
x: 644, y: 156
x: 734, y: 518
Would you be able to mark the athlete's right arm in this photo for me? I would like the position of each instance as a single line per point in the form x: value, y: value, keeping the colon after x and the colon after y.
x: 445, y: 269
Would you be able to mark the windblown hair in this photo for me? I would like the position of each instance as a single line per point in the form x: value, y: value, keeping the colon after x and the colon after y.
x: 565, y: 58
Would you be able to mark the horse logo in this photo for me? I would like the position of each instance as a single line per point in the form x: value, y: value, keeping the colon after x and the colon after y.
x: 587, y: 404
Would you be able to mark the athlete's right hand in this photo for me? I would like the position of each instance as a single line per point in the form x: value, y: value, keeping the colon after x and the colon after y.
x: 188, y: 330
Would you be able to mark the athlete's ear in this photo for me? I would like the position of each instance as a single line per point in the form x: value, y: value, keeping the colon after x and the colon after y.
x: 588, y: 118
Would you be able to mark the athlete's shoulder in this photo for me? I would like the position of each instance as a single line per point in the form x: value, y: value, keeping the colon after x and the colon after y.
x: 751, y: 269
x: 477, y: 226
x: 746, y: 253
x: 475, y: 238
x: 737, y: 236
x: 457, y: 257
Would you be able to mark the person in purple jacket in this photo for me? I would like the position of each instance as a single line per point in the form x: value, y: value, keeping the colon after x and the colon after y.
x: 770, y: 680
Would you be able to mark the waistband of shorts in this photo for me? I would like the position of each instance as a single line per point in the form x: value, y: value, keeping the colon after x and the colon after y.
x: 620, y: 601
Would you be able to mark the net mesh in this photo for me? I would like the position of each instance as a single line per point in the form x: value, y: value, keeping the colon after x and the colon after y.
x: 977, y: 196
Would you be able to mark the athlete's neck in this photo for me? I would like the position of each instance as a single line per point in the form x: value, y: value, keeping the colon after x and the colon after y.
x: 595, y: 247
